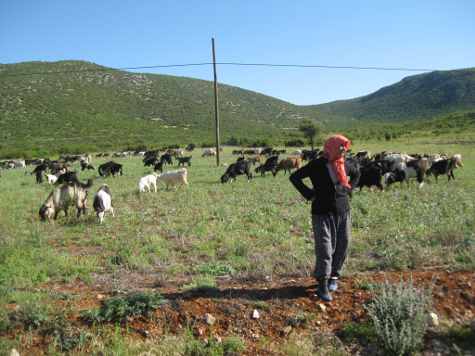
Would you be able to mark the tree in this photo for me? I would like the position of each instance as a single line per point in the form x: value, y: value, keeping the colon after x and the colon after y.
x: 310, y: 130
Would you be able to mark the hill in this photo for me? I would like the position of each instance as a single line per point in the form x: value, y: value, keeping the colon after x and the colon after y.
x: 414, y: 97
x: 84, y: 103
x: 81, y: 106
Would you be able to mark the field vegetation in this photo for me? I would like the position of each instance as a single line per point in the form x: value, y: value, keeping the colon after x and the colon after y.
x: 194, y: 238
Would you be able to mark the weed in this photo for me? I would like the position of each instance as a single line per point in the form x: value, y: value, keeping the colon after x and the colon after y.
x: 299, y: 320
x: 362, y: 332
x: 216, y: 269
x: 399, y: 316
x: 30, y: 315
x: 119, y: 309
x: 203, y: 284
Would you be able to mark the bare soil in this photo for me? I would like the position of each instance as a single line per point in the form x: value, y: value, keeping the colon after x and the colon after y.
x: 285, y: 305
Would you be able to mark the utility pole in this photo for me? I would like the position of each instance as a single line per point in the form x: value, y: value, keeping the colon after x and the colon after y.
x: 216, y: 111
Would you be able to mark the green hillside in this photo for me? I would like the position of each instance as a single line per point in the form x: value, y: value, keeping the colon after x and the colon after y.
x: 414, y: 97
x: 86, y: 104
x: 82, y: 106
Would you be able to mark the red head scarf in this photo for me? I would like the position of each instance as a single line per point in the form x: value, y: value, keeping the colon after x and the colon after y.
x: 333, y: 149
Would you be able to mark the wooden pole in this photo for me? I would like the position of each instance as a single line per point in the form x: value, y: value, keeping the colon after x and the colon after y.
x: 216, y: 111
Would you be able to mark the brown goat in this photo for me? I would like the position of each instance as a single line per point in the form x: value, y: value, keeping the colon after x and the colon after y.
x: 289, y: 163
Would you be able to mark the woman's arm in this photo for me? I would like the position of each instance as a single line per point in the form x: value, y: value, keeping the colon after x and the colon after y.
x: 297, y: 178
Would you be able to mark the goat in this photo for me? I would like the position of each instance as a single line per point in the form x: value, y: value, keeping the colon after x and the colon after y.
x: 288, y: 164
x: 207, y: 152
x: 183, y: 160
x: 62, y: 197
x: 147, y: 182
x: 235, y: 169
x: 174, y: 178
x: 103, y: 202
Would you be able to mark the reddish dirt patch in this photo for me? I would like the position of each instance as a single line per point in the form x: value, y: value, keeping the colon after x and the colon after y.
x: 281, y: 303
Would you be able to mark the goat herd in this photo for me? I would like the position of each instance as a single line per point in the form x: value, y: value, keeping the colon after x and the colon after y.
x: 379, y: 170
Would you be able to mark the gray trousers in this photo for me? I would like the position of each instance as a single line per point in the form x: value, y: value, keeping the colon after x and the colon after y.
x: 332, y: 236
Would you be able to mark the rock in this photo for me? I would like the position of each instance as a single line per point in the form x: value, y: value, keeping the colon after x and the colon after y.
x: 210, y: 320
x: 100, y: 296
x: 14, y: 352
x: 255, y: 314
x: 322, y: 307
x: 433, y: 319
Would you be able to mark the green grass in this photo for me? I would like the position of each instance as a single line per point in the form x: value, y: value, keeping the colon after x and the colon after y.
x: 252, y: 230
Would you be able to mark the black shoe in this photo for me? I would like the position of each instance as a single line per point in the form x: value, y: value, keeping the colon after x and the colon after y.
x: 322, y: 290
x: 333, y: 284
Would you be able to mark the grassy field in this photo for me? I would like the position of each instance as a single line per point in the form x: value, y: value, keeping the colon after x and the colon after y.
x: 252, y: 231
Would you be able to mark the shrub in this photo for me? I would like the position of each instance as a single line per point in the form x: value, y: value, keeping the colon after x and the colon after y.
x: 30, y: 315
x: 120, y: 308
x: 399, y: 316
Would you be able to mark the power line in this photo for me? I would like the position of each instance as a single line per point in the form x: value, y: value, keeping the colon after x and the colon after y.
x: 275, y: 65
x: 405, y: 69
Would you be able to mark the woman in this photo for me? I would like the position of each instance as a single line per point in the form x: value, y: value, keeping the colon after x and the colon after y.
x: 331, y: 219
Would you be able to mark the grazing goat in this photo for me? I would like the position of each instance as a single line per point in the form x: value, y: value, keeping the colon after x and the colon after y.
x: 288, y: 164
x: 103, y: 202
x: 270, y: 165
x: 444, y: 166
x: 174, y: 178
x: 207, y: 152
x: 147, y: 182
x: 183, y: 160
x: 235, y: 169
x: 166, y: 158
x: 109, y: 168
x: 61, y: 198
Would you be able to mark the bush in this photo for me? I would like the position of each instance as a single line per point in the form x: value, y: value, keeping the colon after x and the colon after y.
x: 399, y: 316
x: 30, y: 315
x: 120, y: 308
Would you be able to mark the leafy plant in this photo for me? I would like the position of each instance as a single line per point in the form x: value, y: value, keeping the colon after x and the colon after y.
x: 399, y: 316
x: 119, y: 309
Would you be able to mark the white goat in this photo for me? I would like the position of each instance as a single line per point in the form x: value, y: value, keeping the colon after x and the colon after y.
x: 103, y: 202
x: 51, y: 178
x: 173, y: 178
x: 146, y: 183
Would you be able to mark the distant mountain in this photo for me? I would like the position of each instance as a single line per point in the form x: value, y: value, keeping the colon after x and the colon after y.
x: 414, y: 97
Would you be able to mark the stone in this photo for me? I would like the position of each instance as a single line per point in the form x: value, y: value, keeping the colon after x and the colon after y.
x: 322, y: 307
x: 14, y: 352
x: 100, y: 296
x: 434, y: 319
x: 255, y: 314
x: 210, y: 320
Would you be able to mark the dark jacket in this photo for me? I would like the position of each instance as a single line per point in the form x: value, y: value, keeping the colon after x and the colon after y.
x: 326, y: 196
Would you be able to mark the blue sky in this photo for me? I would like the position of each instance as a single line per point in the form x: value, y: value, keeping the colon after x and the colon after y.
x: 419, y: 34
